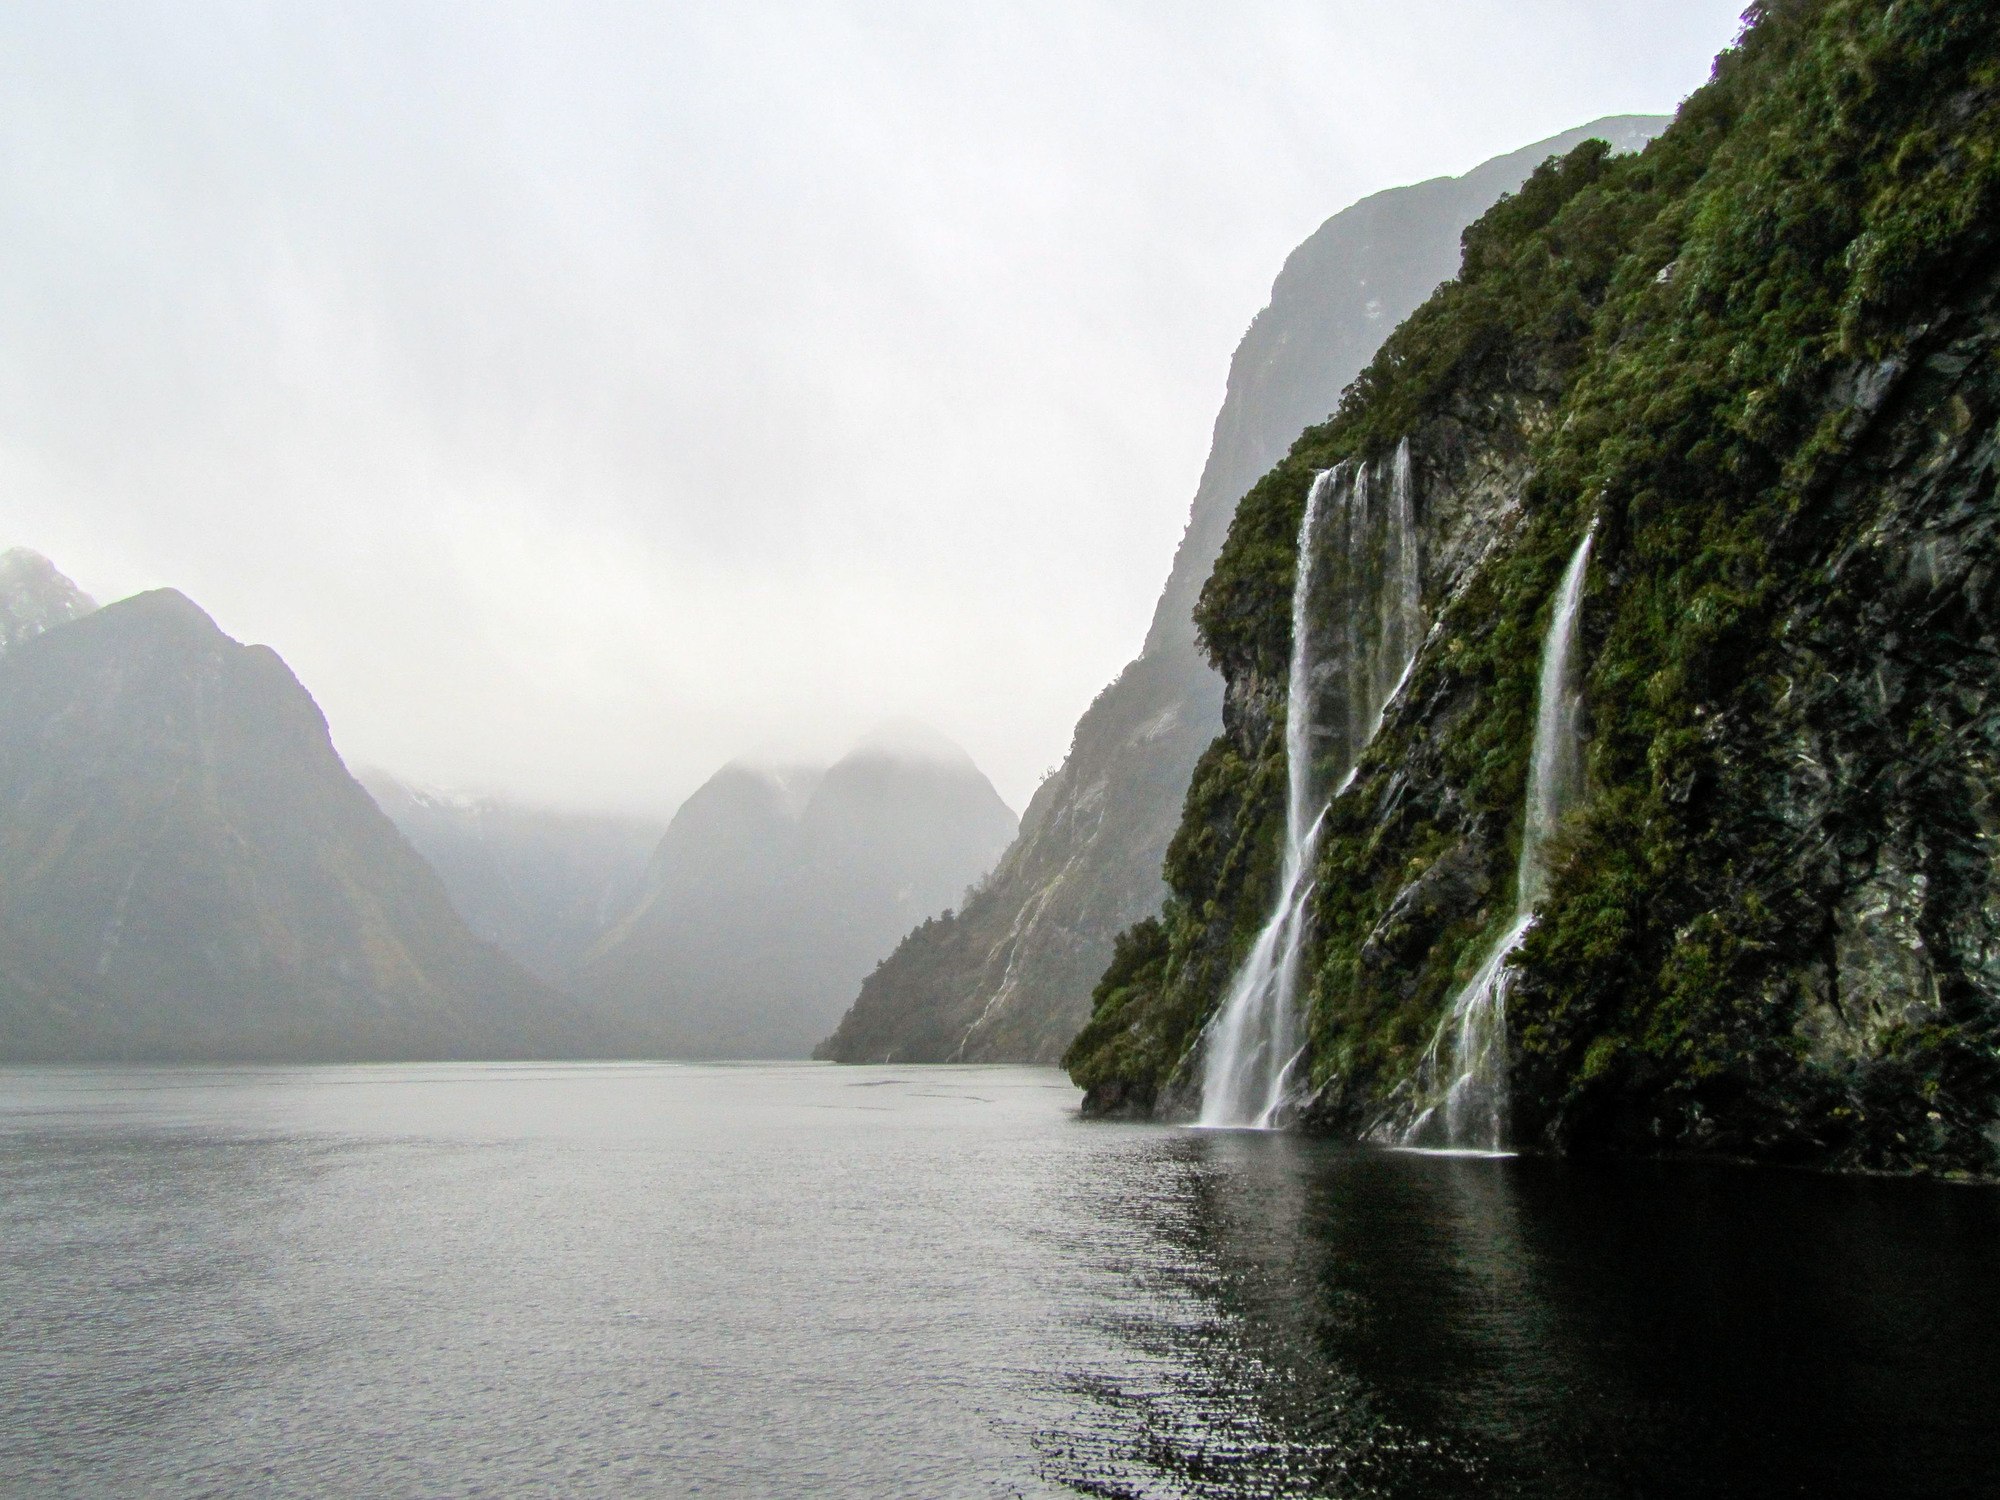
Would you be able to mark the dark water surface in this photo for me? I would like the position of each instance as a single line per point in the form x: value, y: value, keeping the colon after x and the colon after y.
x: 810, y: 1281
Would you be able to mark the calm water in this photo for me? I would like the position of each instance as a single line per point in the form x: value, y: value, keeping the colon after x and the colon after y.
x: 809, y: 1281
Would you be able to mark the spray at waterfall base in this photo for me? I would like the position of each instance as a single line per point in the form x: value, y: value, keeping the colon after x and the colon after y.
x: 1457, y: 1101
x: 1373, y: 581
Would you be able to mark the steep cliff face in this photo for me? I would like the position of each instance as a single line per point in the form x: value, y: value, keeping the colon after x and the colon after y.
x: 773, y: 893
x: 541, y: 884
x: 188, y: 871
x: 1760, y: 360
x: 1008, y: 978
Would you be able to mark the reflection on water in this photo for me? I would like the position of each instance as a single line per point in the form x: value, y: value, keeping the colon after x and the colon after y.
x: 1385, y: 1323
x: 925, y: 1282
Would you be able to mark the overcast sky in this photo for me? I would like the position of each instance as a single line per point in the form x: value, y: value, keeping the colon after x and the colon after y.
x: 578, y: 395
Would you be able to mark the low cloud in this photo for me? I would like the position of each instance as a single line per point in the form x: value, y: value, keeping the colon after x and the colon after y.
x: 581, y: 395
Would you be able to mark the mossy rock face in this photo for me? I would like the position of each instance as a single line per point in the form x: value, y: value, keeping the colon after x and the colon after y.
x: 1761, y: 358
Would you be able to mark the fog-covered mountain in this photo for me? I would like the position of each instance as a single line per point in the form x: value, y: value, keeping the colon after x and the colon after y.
x: 188, y: 871
x: 1010, y: 976
x: 775, y: 890
x: 34, y: 597
x: 543, y: 884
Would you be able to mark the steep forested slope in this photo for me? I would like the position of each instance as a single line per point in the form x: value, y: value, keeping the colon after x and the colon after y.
x: 1760, y: 360
x: 1008, y: 977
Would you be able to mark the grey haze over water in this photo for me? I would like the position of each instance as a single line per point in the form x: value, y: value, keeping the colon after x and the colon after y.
x: 578, y: 396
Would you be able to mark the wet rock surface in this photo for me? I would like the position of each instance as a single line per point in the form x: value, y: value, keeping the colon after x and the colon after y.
x: 1008, y: 976
x: 1770, y: 928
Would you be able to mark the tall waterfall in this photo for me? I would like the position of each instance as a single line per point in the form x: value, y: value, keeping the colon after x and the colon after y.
x: 1374, y: 578
x: 1472, y: 1114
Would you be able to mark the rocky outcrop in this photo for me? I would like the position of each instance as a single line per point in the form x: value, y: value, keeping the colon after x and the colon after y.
x: 34, y: 597
x: 774, y: 891
x: 541, y: 884
x: 188, y: 871
x: 1008, y: 977
x: 1762, y: 360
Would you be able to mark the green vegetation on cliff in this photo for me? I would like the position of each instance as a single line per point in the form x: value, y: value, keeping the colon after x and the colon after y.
x: 1008, y: 977
x: 1760, y: 356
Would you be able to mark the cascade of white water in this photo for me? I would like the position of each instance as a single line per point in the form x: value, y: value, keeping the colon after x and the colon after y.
x: 1402, y: 629
x: 1250, y: 1046
x: 1253, y: 1042
x: 1472, y: 1114
x: 1356, y: 663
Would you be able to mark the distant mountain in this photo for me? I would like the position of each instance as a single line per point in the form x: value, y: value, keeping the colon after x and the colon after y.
x: 542, y: 884
x: 188, y: 871
x: 1010, y: 976
x: 773, y: 892
x: 34, y: 597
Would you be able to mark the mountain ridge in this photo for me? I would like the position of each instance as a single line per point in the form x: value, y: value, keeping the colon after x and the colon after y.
x: 187, y: 871
x: 542, y: 884
x: 774, y: 890
x: 34, y: 597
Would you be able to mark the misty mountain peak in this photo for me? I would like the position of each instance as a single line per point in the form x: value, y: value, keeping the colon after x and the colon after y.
x: 912, y: 742
x: 34, y: 597
x: 169, y: 609
x: 192, y: 872
x: 542, y: 883
x: 792, y: 784
x: 388, y: 788
x: 777, y: 888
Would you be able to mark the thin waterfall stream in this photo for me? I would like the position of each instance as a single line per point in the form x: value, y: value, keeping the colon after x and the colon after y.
x: 1254, y: 1042
x: 1471, y: 1041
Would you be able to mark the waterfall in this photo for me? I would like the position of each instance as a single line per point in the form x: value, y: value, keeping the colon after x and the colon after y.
x: 1402, y: 623
x: 1472, y: 1114
x: 1251, y: 1047
x: 1253, y: 1043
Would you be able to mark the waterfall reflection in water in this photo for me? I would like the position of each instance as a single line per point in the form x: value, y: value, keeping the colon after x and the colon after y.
x: 1386, y: 1323
x: 586, y: 1280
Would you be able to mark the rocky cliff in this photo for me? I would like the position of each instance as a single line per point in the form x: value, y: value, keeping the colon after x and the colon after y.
x: 1008, y: 978
x: 1760, y: 361
x: 188, y: 871
x: 774, y: 892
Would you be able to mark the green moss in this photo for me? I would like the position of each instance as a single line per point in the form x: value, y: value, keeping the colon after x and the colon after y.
x: 1698, y: 322
x: 1705, y: 433
x: 1118, y: 1041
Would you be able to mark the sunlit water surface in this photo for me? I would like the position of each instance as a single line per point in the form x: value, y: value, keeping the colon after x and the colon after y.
x: 811, y: 1281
